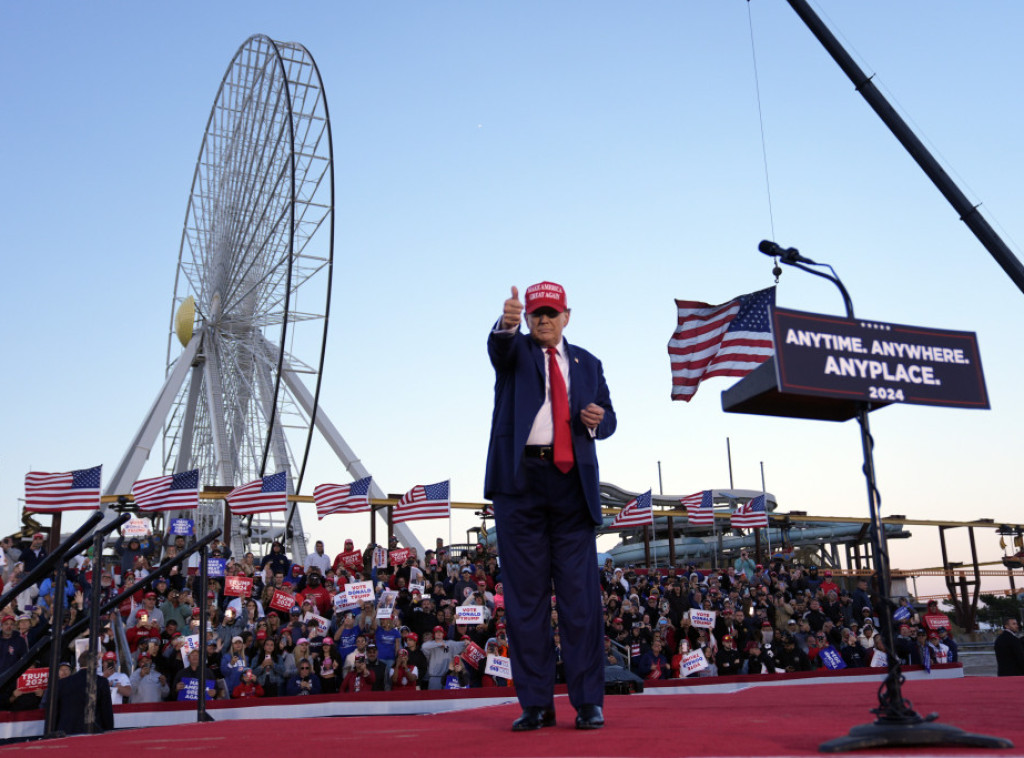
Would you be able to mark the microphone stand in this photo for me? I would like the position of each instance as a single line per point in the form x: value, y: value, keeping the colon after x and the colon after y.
x: 897, y: 723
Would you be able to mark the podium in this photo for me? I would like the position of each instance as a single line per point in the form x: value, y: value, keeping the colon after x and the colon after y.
x: 758, y: 393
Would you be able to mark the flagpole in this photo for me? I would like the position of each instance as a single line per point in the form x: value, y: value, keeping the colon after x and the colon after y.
x: 728, y: 455
x: 768, y: 525
x: 714, y: 526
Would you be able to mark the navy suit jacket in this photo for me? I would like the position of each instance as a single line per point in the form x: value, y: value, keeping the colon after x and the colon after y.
x: 518, y: 395
x: 71, y: 700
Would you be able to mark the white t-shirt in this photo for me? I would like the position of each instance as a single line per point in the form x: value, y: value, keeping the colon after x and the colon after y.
x: 117, y: 679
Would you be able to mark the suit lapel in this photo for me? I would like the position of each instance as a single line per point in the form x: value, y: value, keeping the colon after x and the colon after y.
x: 574, y: 366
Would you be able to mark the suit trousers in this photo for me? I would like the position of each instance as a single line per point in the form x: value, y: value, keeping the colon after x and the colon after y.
x: 546, y: 534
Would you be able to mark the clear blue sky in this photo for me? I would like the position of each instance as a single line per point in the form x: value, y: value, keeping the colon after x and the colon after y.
x: 613, y: 147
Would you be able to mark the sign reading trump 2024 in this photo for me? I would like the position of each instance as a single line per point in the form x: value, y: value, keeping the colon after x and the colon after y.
x: 871, y: 361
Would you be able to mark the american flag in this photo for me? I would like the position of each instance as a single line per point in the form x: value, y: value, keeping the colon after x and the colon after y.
x: 70, y: 491
x: 751, y: 516
x: 699, y: 508
x: 342, y: 498
x: 637, y: 512
x: 421, y: 502
x: 269, y: 493
x: 168, y: 493
x: 731, y: 339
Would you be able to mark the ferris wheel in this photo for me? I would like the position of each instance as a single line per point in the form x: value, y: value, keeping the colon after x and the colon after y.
x: 253, y: 285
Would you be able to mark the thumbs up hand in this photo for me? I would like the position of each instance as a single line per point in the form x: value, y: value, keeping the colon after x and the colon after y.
x: 513, y: 312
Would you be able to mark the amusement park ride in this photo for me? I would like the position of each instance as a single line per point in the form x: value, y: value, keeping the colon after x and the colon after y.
x: 251, y: 302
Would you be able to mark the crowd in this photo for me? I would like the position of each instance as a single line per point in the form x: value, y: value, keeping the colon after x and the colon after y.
x: 744, y: 619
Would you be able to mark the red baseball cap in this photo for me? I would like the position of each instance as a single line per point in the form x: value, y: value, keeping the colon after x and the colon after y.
x: 545, y: 295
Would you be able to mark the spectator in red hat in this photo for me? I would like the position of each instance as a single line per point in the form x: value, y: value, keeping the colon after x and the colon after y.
x: 756, y: 660
x: 457, y: 677
x: 120, y: 685
x: 153, y: 614
x: 439, y: 652
x: 403, y: 675
x: 827, y: 585
x: 342, y: 559
x: 417, y: 659
x: 142, y: 629
x: 34, y: 552
x: 13, y: 647
x: 248, y: 686
x: 728, y: 660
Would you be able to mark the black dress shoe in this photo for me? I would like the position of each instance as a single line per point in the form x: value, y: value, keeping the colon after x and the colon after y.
x: 534, y: 717
x: 589, y: 717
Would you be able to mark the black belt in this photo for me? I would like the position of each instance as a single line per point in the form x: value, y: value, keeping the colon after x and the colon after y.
x: 544, y: 452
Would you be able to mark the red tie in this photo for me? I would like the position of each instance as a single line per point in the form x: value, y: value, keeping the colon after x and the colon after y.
x: 560, y: 414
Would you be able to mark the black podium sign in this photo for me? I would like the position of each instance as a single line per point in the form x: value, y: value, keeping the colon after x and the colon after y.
x: 854, y: 359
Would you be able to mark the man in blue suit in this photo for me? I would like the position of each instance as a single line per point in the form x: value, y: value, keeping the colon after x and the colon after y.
x: 551, y: 404
x: 72, y: 699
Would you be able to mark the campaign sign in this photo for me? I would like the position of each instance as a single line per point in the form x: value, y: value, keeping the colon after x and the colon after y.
x: 182, y: 526
x: 191, y: 643
x: 693, y: 662
x: 191, y: 690
x: 399, y: 556
x: 498, y: 665
x: 871, y: 361
x: 34, y: 679
x: 386, y: 604
x: 936, y: 621
x: 321, y: 623
x: 879, y: 660
x: 351, y: 560
x: 359, y: 592
x: 415, y: 587
x: 902, y: 613
x: 342, y: 602
x: 703, y: 619
x: 282, y: 601
x: 238, y: 586
x: 380, y: 558
x: 472, y: 654
x: 215, y: 566
x: 831, y: 658
x: 136, y: 527
x: 469, y: 615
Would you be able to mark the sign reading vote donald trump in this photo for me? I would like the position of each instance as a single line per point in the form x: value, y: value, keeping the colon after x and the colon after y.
x: 702, y: 619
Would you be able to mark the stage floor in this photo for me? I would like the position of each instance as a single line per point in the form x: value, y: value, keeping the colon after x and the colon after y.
x: 756, y: 721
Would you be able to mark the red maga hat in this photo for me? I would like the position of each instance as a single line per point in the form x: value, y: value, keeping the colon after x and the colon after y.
x: 545, y: 295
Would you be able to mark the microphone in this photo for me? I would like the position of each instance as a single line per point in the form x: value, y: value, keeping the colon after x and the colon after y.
x: 786, y: 254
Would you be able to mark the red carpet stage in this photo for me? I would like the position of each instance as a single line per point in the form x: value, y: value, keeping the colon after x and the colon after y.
x: 753, y: 719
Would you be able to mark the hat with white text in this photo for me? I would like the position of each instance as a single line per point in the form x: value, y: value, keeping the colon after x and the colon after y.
x: 545, y: 295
